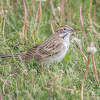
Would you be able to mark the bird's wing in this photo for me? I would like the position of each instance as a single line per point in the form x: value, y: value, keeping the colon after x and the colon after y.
x: 30, y: 53
x: 47, y: 48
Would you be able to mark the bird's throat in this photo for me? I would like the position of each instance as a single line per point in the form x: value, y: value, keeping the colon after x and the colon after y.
x: 66, y: 38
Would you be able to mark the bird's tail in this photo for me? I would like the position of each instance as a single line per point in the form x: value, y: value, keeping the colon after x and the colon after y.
x: 13, y: 55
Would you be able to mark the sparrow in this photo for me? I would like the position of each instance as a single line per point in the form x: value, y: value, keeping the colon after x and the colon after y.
x: 51, y: 50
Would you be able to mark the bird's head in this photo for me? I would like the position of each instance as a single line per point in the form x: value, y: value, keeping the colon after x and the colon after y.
x: 64, y: 31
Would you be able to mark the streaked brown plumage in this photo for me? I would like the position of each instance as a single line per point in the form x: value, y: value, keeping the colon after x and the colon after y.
x: 53, y: 48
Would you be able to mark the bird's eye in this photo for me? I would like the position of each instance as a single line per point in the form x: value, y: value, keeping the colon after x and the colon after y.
x: 57, y: 31
x: 64, y: 28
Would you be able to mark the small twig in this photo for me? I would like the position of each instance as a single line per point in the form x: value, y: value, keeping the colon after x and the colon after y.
x: 53, y: 11
x: 39, y: 9
x: 89, y: 16
x: 6, y: 81
x: 94, y: 68
x: 30, y: 10
x: 82, y: 22
x: 32, y: 80
x: 60, y: 87
x: 82, y: 84
x: 37, y: 15
x: 83, y: 54
x: 95, y: 12
x: 26, y: 18
x: 1, y: 97
x: 52, y: 28
x: 1, y: 15
x: 25, y: 22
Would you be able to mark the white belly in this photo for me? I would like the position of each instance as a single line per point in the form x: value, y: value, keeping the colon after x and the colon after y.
x: 58, y: 57
x: 62, y: 53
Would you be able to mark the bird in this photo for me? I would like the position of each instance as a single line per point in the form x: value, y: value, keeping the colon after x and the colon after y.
x: 51, y: 50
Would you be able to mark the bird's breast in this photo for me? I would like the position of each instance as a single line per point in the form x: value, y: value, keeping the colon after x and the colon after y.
x: 62, y: 52
x: 60, y: 55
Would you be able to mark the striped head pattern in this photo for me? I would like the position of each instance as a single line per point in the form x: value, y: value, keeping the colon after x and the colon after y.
x: 64, y: 31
